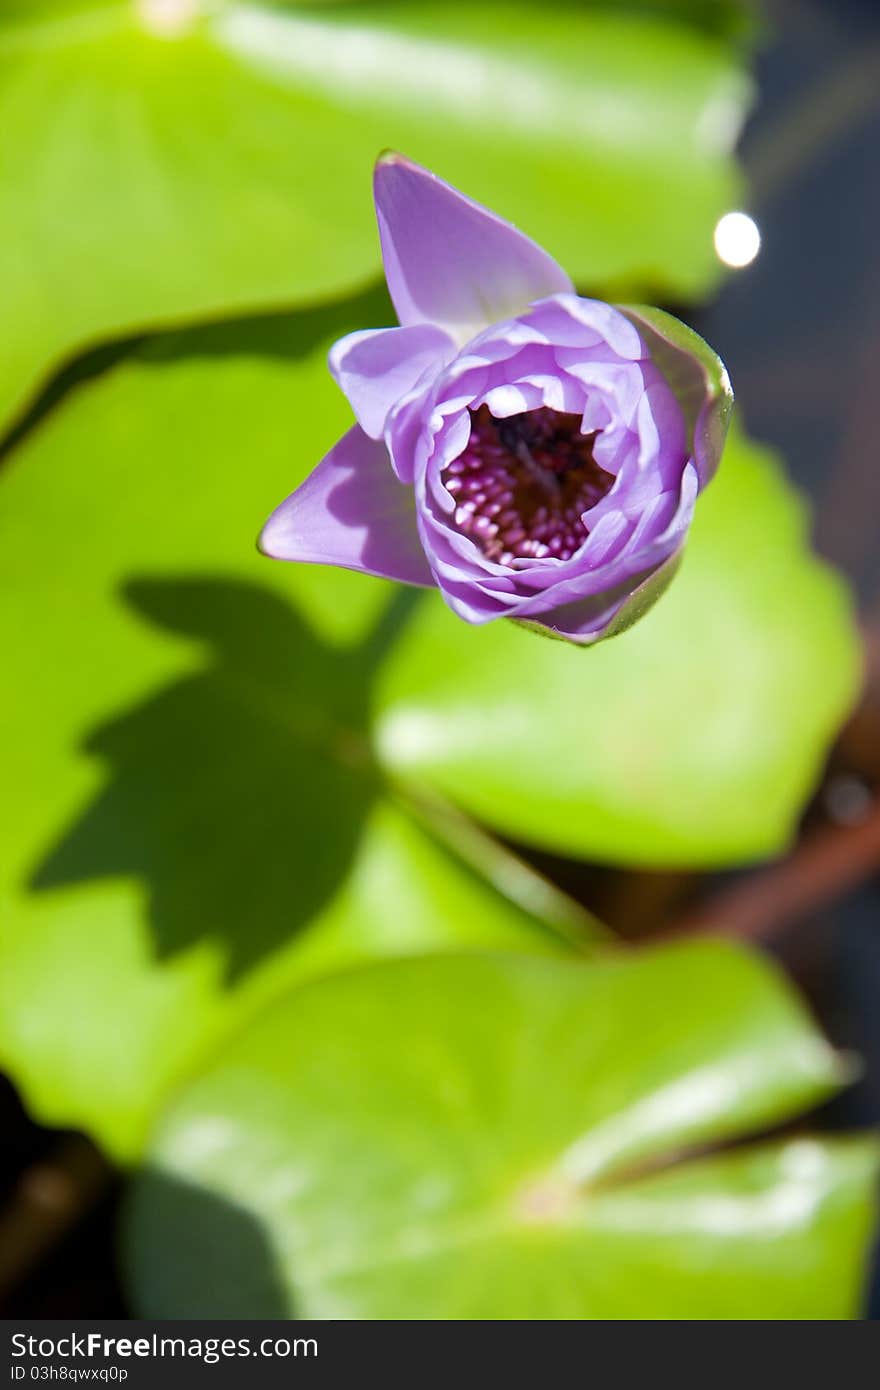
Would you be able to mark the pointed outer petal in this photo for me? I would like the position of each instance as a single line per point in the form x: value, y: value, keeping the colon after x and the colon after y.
x: 351, y: 511
x: 581, y: 624
x: 698, y: 378
x: 377, y: 367
x: 449, y: 261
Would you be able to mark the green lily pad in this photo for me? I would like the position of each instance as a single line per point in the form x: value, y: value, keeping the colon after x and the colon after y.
x: 199, y: 821
x: 199, y: 818
x: 692, y: 739
x: 501, y: 1138
x: 177, y: 159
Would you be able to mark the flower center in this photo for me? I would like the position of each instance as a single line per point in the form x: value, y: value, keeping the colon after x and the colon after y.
x: 522, y: 484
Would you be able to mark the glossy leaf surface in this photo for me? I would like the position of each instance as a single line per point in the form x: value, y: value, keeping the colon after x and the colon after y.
x: 191, y: 727
x: 502, y: 1139
x: 173, y: 159
x: 199, y: 820
x: 689, y: 739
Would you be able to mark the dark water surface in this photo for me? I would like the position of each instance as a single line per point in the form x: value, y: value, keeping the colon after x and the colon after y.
x: 800, y: 331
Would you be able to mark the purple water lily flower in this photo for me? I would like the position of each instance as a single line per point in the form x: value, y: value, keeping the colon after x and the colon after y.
x: 532, y: 454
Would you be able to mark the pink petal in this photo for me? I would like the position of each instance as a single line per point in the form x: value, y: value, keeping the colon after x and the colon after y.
x: 449, y: 261
x: 376, y: 367
x: 351, y: 511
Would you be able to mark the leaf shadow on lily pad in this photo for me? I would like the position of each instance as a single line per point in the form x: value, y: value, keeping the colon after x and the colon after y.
x: 288, y: 334
x: 237, y: 793
x: 217, y: 1231
x: 282, y: 333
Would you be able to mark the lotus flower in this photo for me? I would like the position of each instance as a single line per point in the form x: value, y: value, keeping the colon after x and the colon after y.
x: 532, y: 454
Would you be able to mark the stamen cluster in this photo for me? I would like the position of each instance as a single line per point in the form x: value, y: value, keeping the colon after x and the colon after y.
x: 522, y: 484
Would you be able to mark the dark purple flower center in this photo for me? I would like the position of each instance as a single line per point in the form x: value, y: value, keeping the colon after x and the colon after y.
x: 522, y: 484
